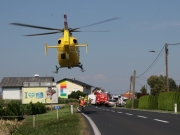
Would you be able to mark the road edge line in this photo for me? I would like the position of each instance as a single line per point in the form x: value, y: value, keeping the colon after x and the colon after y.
x: 94, y: 127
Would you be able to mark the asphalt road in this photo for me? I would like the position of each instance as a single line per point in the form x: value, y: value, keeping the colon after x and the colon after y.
x: 119, y: 121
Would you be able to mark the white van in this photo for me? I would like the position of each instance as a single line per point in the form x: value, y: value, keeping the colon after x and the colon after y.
x: 93, y: 98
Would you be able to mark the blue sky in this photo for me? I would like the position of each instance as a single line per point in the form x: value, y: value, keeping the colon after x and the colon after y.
x: 112, y: 56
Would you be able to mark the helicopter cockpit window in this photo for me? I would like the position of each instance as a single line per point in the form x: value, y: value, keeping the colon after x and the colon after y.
x: 75, y: 41
x: 59, y: 41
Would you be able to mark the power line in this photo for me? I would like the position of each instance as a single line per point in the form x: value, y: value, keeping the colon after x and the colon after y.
x: 144, y: 79
x: 139, y: 84
x: 151, y: 63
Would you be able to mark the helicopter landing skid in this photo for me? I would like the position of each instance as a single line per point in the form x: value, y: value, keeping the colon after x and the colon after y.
x: 57, y: 68
x: 81, y: 67
x: 82, y: 70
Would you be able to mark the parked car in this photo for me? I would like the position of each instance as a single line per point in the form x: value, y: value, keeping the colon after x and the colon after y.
x: 112, y: 102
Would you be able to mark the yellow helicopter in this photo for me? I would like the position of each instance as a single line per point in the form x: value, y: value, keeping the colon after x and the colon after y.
x: 68, y: 52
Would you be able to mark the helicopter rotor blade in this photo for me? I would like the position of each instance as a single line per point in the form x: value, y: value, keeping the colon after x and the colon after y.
x: 93, y: 31
x: 43, y: 33
x: 111, y: 19
x: 33, y: 26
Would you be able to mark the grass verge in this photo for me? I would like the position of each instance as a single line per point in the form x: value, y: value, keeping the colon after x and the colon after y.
x: 45, y: 124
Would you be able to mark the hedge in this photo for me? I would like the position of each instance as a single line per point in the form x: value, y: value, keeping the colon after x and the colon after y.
x: 167, y: 100
x: 129, y: 103
x: 148, y: 102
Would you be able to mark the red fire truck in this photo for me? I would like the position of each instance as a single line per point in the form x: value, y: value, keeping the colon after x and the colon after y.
x: 102, y: 98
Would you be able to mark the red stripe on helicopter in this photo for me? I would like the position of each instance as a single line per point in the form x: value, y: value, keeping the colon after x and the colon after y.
x: 65, y: 21
x: 65, y: 16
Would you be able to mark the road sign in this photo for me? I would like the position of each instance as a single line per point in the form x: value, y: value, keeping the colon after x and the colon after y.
x: 56, y: 107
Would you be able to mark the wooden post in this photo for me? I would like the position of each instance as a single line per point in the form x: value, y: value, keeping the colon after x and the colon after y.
x: 134, y: 79
x: 34, y: 119
x: 57, y: 114
x: 167, y: 81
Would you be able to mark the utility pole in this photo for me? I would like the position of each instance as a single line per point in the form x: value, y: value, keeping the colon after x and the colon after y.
x: 130, y: 85
x: 166, y: 56
x: 134, y: 79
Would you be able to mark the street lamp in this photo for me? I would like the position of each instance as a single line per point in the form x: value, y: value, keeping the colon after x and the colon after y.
x: 152, y: 51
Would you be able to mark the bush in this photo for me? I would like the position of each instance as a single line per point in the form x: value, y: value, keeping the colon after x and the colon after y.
x: 33, y: 109
x: 129, y: 103
x: 12, y: 109
x: 167, y: 100
x: 16, y: 108
x: 136, y: 102
x: 27, y: 109
x: 39, y: 108
x: 148, y: 102
x: 76, y: 94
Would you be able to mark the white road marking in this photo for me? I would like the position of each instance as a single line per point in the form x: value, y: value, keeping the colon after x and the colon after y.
x: 142, y: 116
x: 129, y: 114
x: 119, y: 112
x: 162, y: 121
x: 112, y: 111
x: 107, y: 109
x: 94, y: 127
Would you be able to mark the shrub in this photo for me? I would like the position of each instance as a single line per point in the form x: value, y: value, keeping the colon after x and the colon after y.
x: 148, y: 102
x: 76, y: 94
x: 167, y: 100
x: 129, y: 103
x: 136, y: 102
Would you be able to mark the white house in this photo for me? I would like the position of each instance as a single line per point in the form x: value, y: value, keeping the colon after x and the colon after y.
x: 12, y: 86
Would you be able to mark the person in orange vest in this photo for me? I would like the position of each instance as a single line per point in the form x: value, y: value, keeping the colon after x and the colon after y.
x: 82, y: 103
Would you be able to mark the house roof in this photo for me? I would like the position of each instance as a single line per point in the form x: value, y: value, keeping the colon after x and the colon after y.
x: 18, y: 81
x: 75, y: 81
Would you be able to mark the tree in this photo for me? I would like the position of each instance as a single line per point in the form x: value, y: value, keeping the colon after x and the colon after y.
x: 179, y: 88
x: 143, y: 90
x: 172, y: 84
x: 76, y: 94
x: 156, y: 84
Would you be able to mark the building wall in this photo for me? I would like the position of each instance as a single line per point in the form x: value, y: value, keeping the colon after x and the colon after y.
x: 65, y: 88
x: 87, y: 90
x: 12, y: 93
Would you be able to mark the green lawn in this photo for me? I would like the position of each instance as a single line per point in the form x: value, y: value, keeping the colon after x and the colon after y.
x: 47, y: 124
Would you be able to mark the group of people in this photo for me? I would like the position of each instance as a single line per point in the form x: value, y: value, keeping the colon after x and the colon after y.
x: 83, y: 102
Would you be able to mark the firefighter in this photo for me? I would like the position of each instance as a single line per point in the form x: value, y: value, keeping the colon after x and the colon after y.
x: 81, y: 103
x: 79, y: 99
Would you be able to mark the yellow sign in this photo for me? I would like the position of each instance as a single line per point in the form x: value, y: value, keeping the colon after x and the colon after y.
x: 33, y: 94
x: 39, y: 94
